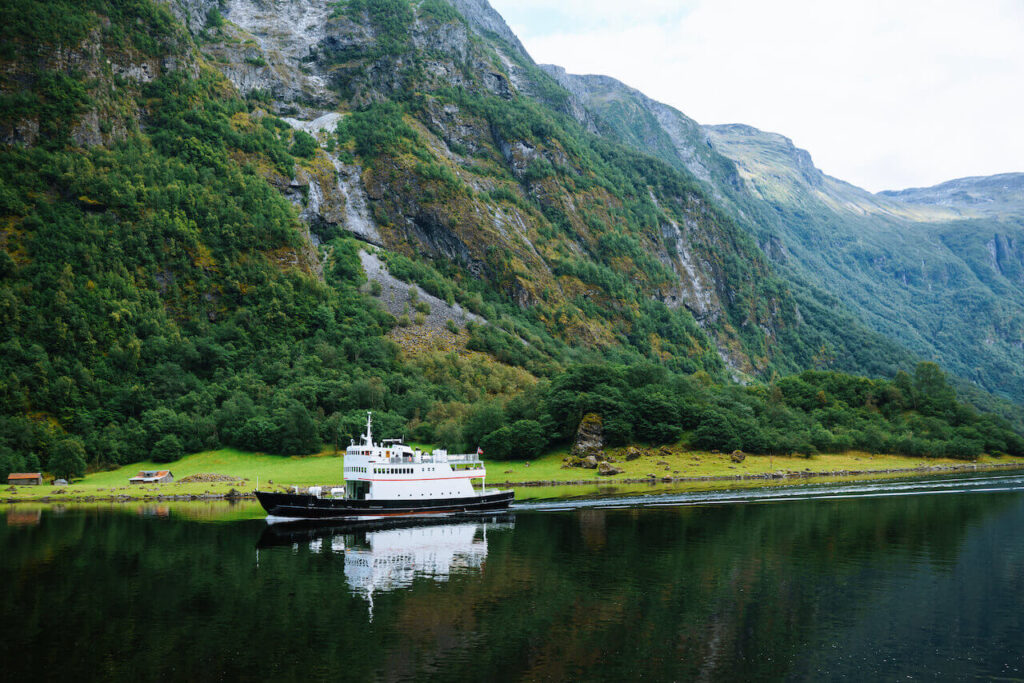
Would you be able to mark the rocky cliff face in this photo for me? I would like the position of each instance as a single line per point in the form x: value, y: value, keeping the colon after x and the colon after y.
x: 312, y: 61
x: 115, y: 72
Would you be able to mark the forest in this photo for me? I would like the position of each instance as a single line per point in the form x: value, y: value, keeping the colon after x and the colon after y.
x: 159, y: 295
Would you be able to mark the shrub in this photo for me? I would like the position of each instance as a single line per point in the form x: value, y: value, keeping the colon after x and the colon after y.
x: 304, y: 145
x: 214, y: 19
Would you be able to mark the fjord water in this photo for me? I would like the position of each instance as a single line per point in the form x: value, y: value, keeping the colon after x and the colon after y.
x: 921, y: 578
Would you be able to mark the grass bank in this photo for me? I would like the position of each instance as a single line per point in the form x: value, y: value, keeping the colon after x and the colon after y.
x: 541, y: 478
x: 661, y: 463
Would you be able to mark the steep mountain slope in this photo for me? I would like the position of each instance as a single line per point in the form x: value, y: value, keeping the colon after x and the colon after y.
x: 947, y: 287
x: 193, y: 193
x: 470, y: 154
x: 936, y: 269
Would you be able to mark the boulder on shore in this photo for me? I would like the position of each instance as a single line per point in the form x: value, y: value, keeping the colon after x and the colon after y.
x: 607, y: 469
x: 738, y: 456
x: 633, y: 453
x: 589, y: 436
x: 590, y: 463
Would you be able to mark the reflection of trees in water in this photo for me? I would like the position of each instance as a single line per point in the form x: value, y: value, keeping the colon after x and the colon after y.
x: 729, y: 591
x: 666, y: 593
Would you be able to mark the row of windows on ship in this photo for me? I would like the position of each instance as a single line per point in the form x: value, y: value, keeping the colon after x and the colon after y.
x: 387, y: 453
x: 387, y: 470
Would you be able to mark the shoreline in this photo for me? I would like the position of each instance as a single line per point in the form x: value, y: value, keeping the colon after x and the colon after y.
x: 772, y: 476
x: 768, y: 478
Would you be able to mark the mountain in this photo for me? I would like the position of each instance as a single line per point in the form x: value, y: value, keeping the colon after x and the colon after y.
x: 937, y: 269
x: 242, y: 222
x: 504, y: 183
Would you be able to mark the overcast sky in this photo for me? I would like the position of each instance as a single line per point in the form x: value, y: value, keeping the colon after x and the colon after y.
x: 885, y: 94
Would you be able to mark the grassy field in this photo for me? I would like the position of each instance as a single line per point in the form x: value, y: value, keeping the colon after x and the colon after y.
x: 306, y: 470
x: 678, y: 463
x: 273, y: 471
x: 276, y: 472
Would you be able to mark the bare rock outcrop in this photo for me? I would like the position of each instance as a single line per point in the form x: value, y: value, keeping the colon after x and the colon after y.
x: 589, y: 436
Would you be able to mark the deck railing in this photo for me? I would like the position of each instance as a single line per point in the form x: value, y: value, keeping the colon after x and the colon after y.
x: 451, y: 458
x: 463, y: 457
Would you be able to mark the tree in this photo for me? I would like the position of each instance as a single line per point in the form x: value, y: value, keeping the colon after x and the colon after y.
x: 168, y: 449
x: 530, y: 439
x: 67, y: 459
x: 716, y: 432
x: 936, y: 396
x: 485, y: 419
x: 297, y: 433
x: 9, y: 462
x: 500, y: 444
x: 257, y: 434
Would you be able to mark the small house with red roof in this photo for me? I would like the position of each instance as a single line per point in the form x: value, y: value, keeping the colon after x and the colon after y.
x: 152, y: 477
x: 25, y: 478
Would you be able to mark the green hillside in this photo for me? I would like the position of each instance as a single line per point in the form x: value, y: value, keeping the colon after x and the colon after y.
x: 187, y: 212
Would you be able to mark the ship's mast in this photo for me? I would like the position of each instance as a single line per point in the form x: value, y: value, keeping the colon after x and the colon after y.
x: 368, y: 436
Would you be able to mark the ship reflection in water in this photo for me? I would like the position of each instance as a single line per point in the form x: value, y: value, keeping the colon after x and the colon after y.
x: 382, y: 557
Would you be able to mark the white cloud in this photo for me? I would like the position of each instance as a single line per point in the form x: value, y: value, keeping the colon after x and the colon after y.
x: 883, y: 93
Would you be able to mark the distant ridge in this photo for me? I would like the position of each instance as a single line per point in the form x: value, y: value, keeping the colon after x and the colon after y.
x: 990, y: 195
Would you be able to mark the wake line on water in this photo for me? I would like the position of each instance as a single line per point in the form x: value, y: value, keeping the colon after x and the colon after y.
x: 932, y: 486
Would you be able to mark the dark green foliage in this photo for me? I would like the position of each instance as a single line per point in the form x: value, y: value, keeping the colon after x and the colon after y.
x: 214, y: 19
x: 304, y: 145
x: 67, y: 459
x: 814, y: 412
x: 439, y: 10
x: 29, y: 27
x: 390, y: 18
x: 521, y: 440
x: 167, y: 449
x: 716, y: 431
x: 378, y: 130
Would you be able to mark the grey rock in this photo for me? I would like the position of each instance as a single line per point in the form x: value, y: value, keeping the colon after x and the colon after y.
x: 589, y: 440
x: 606, y: 469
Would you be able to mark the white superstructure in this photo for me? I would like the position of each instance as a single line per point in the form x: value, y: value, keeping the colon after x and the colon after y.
x: 392, y: 470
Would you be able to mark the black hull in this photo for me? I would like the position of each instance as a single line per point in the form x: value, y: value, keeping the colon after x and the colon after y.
x: 302, y: 506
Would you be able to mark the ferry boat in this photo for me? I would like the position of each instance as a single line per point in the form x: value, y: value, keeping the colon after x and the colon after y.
x: 390, y: 479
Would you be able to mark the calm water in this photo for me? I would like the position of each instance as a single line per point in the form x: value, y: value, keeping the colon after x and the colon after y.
x: 920, y: 580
